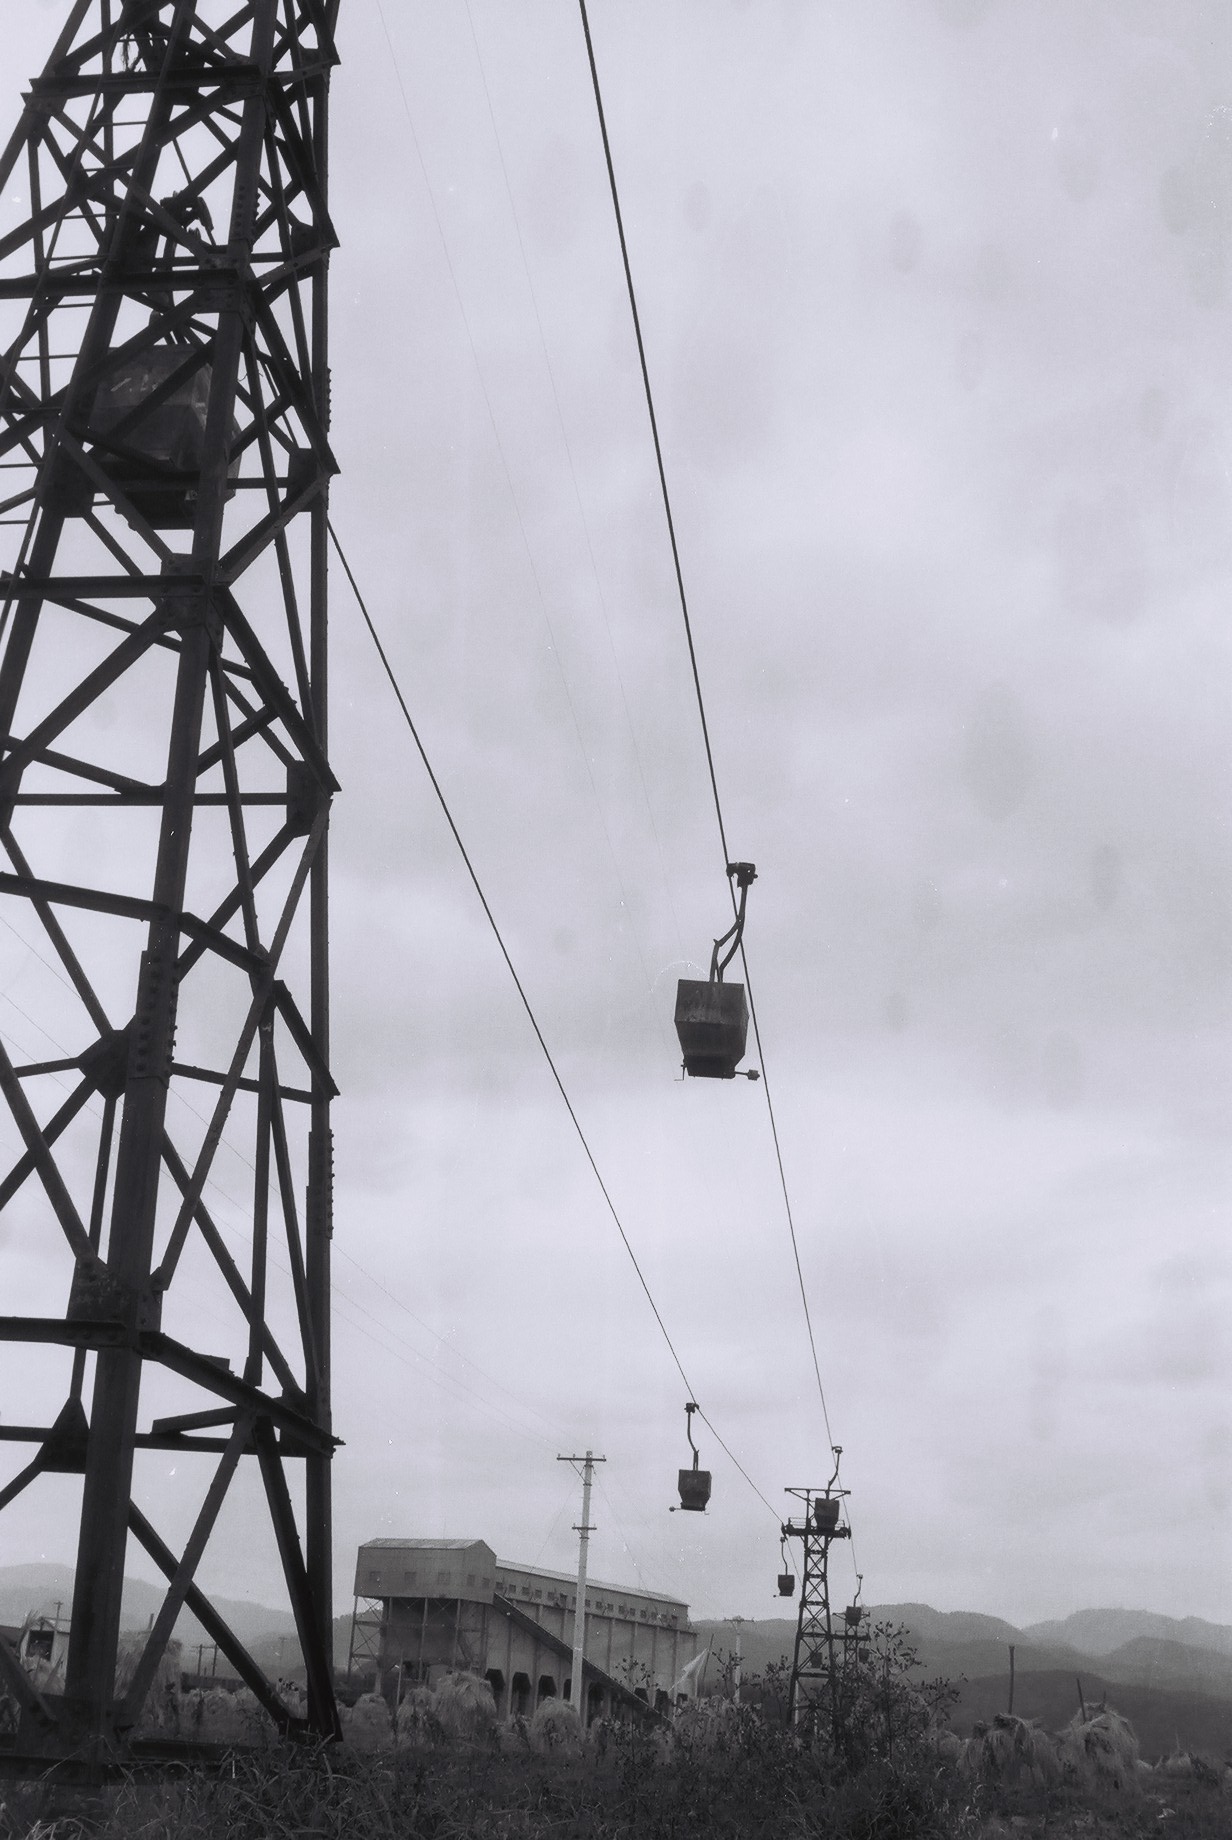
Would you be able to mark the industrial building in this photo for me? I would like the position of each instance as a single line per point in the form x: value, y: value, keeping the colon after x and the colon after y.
x: 425, y: 1606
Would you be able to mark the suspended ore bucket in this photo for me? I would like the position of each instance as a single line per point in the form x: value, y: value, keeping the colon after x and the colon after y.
x: 159, y: 465
x: 853, y: 1615
x: 712, y: 1022
x: 787, y: 1584
x: 825, y: 1515
x: 694, y: 1486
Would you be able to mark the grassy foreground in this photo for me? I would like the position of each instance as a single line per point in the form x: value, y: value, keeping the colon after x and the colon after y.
x: 878, y: 1764
x: 756, y: 1783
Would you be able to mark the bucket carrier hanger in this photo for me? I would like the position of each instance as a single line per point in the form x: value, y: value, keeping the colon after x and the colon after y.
x: 712, y: 1018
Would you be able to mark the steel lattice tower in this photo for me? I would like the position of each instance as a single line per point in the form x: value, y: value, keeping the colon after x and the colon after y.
x: 164, y: 800
x: 820, y: 1649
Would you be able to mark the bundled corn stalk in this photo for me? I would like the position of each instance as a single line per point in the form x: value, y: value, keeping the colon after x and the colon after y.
x: 702, y: 1723
x: 48, y: 1676
x: 1011, y: 1750
x: 946, y: 1743
x: 163, y: 1707
x: 601, y: 1736
x: 465, y: 1708
x: 556, y: 1730
x: 366, y: 1725
x: 514, y: 1736
x: 293, y: 1696
x: 416, y: 1726
x: 1102, y: 1748
x: 219, y: 1716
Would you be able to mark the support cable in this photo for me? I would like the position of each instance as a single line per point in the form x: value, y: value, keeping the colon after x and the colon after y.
x: 697, y: 684
x: 526, y: 1004
x: 791, y: 1224
x: 499, y: 937
x: 654, y: 427
x: 553, y: 644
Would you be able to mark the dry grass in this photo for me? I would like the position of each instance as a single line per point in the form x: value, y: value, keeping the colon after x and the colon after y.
x: 447, y: 1771
x: 755, y: 1783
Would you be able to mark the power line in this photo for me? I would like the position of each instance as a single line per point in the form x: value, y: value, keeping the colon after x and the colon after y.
x: 526, y: 1003
x: 697, y: 683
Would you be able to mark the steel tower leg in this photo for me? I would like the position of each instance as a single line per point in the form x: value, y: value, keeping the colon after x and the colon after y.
x: 164, y: 800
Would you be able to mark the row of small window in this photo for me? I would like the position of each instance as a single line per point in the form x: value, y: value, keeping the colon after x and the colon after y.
x: 561, y: 1599
x: 374, y: 1577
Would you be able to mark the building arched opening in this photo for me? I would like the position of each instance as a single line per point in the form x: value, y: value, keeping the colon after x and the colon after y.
x: 519, y: 1695
x: 547, y: 1688
x: 496, y: 1680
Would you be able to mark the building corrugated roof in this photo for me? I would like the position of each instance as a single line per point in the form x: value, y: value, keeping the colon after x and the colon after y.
x: 426, y: 1545
x: 595, y: 1584
x: 527, y: 1571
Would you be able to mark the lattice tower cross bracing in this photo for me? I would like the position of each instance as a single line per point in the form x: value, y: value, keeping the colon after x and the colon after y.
x: 164, y: 801
x: 820, y: 1652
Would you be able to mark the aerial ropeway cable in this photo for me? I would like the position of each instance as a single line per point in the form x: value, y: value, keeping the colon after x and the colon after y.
x: 712, y: 1018
x: 438, y: 790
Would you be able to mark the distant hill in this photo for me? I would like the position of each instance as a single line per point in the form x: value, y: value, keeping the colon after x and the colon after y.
x: 1100, y: 1632
x: 1171, y: 1676
x: 268, y: 1634
x: 1169, y: 1690
x: 26, y: 1589
x: 950, y: 1642
x: 280, y: 1655
x: 948, y: 1626
x: 1153, y: 1663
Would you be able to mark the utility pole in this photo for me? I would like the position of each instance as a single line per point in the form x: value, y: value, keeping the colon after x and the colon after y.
x: 738, y: 1621
x: 584, y: 1531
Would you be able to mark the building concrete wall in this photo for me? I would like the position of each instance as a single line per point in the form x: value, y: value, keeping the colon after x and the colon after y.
x: 634, y: 1635
x: 426, y: 1568
x: 442, y: 1605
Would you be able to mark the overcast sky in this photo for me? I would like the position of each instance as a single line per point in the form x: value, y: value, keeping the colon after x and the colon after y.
x: 936, y: 297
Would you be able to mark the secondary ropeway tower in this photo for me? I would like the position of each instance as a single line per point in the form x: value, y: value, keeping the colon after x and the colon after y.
x: 823, y: 1648
x: 164, y: 805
